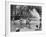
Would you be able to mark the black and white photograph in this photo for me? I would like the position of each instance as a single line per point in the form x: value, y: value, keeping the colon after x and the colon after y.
x: 24, y: 18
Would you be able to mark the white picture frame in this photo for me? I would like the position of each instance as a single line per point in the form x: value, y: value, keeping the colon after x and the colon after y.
x: 23, y: 34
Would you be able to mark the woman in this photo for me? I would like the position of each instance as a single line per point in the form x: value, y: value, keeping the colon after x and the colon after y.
x: 35, y: 20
